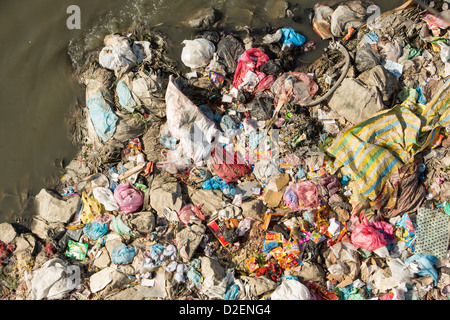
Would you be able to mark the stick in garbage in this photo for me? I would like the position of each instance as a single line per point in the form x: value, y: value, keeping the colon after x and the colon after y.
x: 132, y: 171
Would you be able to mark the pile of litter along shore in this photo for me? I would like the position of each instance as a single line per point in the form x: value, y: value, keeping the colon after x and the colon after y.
x: 254, y: 176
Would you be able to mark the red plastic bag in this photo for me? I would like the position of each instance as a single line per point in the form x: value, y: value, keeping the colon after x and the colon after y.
x: 251, y: 60
x: 368, y: 235
x: 228, y: 168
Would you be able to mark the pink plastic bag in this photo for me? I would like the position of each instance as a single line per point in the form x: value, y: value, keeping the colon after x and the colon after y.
x: 128, y: 197
x: 301, y: 196
x: 189, y: 213
x: 370, y: 236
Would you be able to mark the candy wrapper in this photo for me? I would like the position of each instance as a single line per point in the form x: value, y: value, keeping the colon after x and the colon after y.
x: 273, y: 236
x: 76, y: 250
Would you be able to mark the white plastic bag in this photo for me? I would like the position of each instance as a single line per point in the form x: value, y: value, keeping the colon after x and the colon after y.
x: 52, y: 281
x: 116, y: 53
x: 291, y: 290
x: 197, y: 53
x: 189, y: 125
x: 265, y: 170
x: 106, y: 197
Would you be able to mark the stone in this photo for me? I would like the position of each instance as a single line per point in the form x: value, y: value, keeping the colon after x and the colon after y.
x: 385, y: 81
x: 99, y: 280
x: 52, y: 208
x: 24, y: 242
x: 112, y: 240
x: 165, y: 192
x: 7, y: 232
x: 211, y: 200
x: 203, y: 18
x: 127, y: 294
x: 118, y: 281
x: 45, y: 230
x: 188, y: 240
x: 212, y: 268
x: 76, y: 170
x: 254, y: 208
x: 104, y: 260
x: 258, y: 285
x: 143, y: 222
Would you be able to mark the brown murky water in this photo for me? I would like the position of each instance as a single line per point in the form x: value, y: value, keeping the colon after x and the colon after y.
x: 36, y: 90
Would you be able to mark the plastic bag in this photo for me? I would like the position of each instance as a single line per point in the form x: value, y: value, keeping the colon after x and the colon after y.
x: 265, y: 170
x: 250, y: 61
x: 228, y: 50
x: 106, y: 197
x: 189, y: 213
x: 128, y: 197
x: 291, y: 290
x: 95, y: 230
x: 217, y: 183
x: 91, y: 208
x: 197, y: 53
x: 322, y: 21
x: 52, y: 281
x: 292, y: 38
x: 232, y: 292
x: 346, y: 17
x: 366, y: 236
x: 116, y: 53
x: 124, y: 96
x: 229, y: 167
x: 229, y: 126
x: 119, y: 226
x: 426, y: 264
x: 121, y: 254
x: 293, y: 87
x: 301, y: 196
x: 190, y: 126
x: 101, y: 115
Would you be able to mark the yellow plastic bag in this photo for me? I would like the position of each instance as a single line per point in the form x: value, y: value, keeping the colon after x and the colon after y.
x: 91, y: 207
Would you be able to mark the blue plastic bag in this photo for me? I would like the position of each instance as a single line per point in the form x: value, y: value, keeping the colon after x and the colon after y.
x: 228, y: 126
x: 268, y: 246
x: 102, y: 117
x: 124, y: 95
x: 426, y: 264
x: 193, y: 275
x: 232, y: 293
x: 95, y: 230
x: 300, y: 174
x: 421, y: 98
x: 290, y: 37
x: 121, y: 254
x: 218, y: 183
x: 156, y: 251
x: 254, y: 139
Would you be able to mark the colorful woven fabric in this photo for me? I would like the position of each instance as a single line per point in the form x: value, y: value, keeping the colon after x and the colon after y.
x: 372, y: 151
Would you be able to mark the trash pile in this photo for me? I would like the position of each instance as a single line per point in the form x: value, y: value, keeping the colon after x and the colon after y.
x: 253, y: 175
